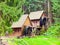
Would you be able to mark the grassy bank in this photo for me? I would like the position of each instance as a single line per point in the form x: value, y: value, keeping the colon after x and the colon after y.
x: 38, y: 40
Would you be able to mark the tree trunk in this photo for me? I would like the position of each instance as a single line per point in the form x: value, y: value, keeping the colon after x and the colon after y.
x: 46, y: 7
x: 49, y: 13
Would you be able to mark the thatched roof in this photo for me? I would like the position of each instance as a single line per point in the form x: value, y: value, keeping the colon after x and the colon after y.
x: 20, y: 22
x: 35, y: 15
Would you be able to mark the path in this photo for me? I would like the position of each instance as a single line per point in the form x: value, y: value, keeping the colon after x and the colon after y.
x: 4, y: 41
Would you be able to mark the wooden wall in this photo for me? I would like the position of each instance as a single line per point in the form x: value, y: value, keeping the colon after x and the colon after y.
x: 19, y: 31
x: 27, y: 22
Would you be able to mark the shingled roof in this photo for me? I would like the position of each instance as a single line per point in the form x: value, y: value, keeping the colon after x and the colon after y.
x: 20, y: 22
x: 35, y: 15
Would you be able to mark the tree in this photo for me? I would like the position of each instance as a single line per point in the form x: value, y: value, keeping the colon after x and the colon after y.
x: 9, y: 13
x: 33, y: 5
x: 56, y: 8
x: 49, y: 12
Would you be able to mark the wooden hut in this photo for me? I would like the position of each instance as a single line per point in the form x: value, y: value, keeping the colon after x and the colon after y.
x: 35, y: 17
x: 19, y: 25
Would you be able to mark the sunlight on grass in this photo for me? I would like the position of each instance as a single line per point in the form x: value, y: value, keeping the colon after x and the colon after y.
x: 41, y: 40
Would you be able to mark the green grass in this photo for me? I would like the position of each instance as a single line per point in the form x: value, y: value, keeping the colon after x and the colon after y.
x: 39, y: 40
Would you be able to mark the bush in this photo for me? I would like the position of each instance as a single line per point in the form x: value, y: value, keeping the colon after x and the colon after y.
x: 53, y: 30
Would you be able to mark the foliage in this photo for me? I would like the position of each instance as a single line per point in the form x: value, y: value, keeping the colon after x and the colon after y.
x: 8, y: 14
x: 54, y: 30
x: 56, y: 7
x: 33, y: 5
x: 36, y: 5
